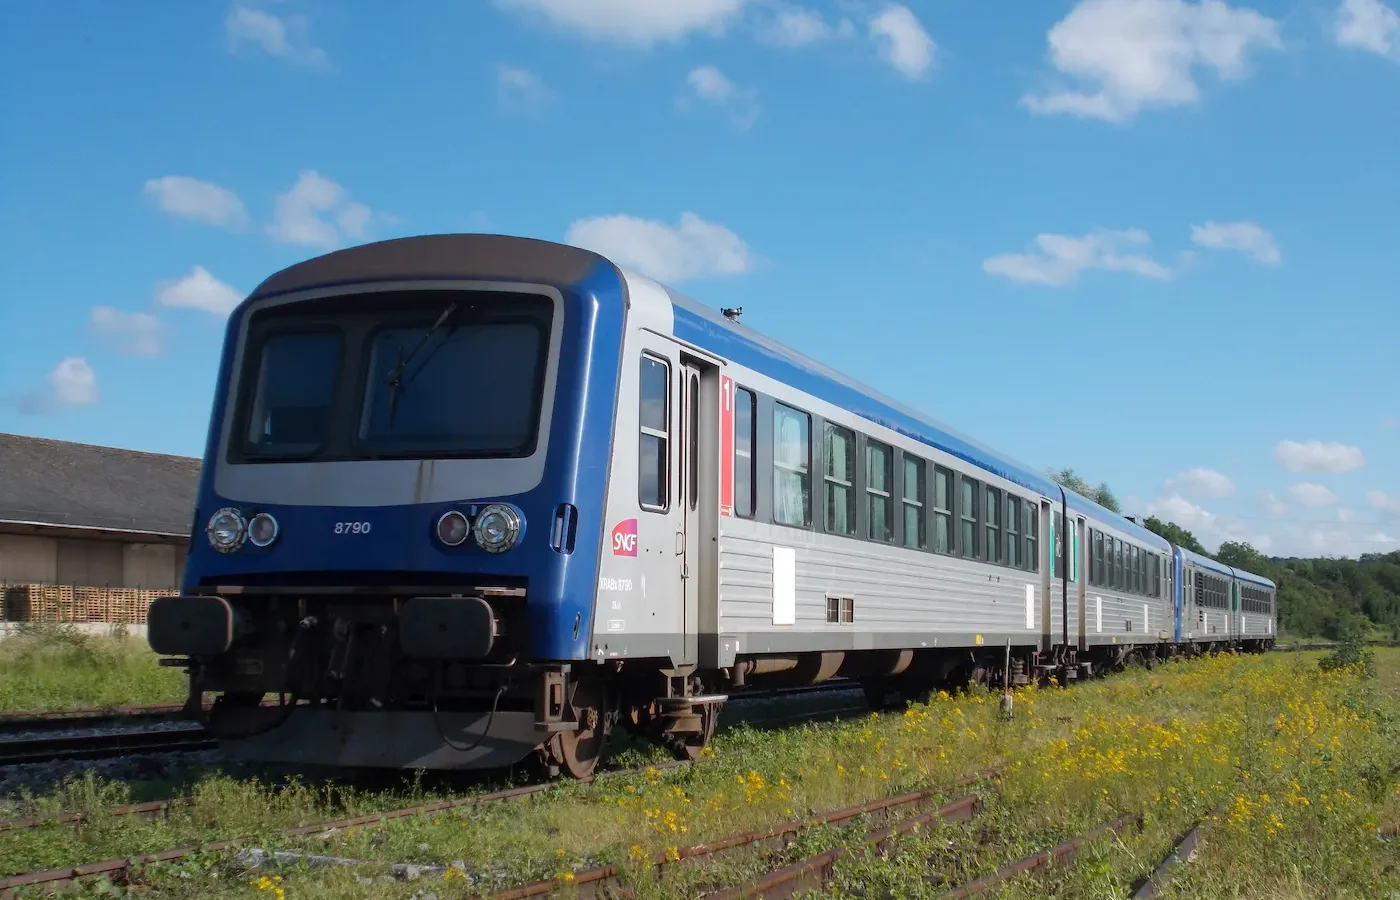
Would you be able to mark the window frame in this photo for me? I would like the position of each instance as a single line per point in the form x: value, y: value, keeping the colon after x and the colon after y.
x: 991, y: 525
x: 751, y: 453
x: 969, y: 487
x: 647, y: 431
x: 1032, y: 534
x: 1012, y: 551
x: 829, y: 429
x: 870, y: 493
x: 949, y: 514
x: 919, y: 502
x: 804, y: 473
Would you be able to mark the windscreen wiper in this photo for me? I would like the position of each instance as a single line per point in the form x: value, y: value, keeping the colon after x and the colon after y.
x: 395, y: 377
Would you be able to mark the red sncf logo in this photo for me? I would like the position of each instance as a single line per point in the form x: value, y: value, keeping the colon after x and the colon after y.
x: 624, y: 538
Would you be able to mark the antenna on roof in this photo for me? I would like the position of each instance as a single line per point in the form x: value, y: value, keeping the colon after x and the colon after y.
x: 732, y: 313
x: 1136, y: 520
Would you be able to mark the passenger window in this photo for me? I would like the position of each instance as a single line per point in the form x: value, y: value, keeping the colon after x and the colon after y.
x: 654, y: 416
x: 1057, y: 536
x: 792, y: 467
x: 915, y: 524
x: 993, y: 512
x: 1117, y: 565
x: 840, y: 480
x: 942, y: 510
x: 879, y: 490
x: 968, y: 511
x: 1013, y: 535
x: 1033, y: 535
x: 744, y: 427
x: 1096, y: 567
x: 1134, y: 586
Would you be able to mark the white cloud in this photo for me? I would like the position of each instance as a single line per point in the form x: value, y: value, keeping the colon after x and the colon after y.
x: 1384, y: 502
x: 693, y: 248
x: 798, y: 27
x: 70, y: 383
x: 640, y: 22
x: 707, y: 84
x: 520, y: 89
x: 902, y: 41
x: 1062, y: 257
x: 1368, y: 25
x: 1201, y: 482
x: 1313, y: 496
x: 282, y: 38
x: 199, y: 290
x: 1246, y: 237
x: 190, y: 198
x: 138, y: 333
x: 1317, y: 456
x: 1273, y: 504
x: 1129, y: 55
x: 317, y: 212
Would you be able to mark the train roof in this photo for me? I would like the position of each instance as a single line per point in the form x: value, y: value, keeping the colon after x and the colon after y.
x: 709, y: 329
x: 1253, y: 579
x: 1205, y: 562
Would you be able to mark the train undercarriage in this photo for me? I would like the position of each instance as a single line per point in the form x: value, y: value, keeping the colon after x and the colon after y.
x: 379, y: 683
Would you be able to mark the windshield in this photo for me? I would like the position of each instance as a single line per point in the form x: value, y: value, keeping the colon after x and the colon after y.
x: 295, y: 390
x: 471, y: 389
x: 407, y: 374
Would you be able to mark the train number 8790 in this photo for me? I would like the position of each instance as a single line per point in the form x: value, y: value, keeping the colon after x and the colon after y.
x: 352, y: 528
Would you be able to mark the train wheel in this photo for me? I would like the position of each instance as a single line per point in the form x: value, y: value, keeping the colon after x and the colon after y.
x: 577, y: 751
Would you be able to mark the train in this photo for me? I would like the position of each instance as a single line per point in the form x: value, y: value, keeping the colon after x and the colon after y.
x: 472, y: 500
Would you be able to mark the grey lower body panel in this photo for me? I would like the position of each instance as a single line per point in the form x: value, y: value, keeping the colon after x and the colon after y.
x: 396, y: 740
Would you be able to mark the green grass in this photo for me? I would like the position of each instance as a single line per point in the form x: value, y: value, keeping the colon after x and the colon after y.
x: 1297, y: 764
x: 45, y: 667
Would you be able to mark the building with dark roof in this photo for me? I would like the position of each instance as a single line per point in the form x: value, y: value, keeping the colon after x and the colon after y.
x: 78, y: 514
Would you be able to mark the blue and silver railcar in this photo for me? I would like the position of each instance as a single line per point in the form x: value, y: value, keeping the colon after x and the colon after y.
x: 471, y: 497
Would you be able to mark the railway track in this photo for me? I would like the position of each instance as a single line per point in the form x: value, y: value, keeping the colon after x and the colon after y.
x: 103, y: 745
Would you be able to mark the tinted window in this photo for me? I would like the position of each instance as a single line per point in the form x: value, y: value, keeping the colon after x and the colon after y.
x: 991, y: 515
x: 879, y: 475
x: 792, y: 464
x: 915, y: 527
x: 434, y: 408
x: 1032, y: 534
x: 296, y: 380
x: 942, y: 510
x: 744, y: 417
x: 1013, y: 537
x: 840, y: 480
x: 653, y: 454
x: 968, y: 511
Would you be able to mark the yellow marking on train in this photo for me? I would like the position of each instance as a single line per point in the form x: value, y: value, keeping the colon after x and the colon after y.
x: 978, y: 639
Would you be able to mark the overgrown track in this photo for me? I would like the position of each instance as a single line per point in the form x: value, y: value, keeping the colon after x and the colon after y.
x: 103, y: 745
x: 54, y: 720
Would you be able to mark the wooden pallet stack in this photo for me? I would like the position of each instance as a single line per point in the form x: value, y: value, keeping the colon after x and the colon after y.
x: 77, y: 603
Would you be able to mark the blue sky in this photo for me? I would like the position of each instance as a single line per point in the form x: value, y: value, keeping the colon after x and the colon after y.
x: 1154, y: 240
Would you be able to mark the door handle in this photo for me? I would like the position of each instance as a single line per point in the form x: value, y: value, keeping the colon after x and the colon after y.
x: 680, y: 543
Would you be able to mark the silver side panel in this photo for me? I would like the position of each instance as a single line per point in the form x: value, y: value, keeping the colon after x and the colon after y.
x: 774, y: 584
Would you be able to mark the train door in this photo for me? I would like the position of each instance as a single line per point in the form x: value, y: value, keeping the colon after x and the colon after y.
x: 691, y: 496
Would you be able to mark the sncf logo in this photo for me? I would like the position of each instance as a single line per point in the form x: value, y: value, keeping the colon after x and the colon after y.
x: 624, y: 538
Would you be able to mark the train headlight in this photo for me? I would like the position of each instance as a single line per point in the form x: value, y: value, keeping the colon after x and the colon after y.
x: 262, y: 530
x: 497, y: 528
x: 453, y: 528
x: 226, y: 530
